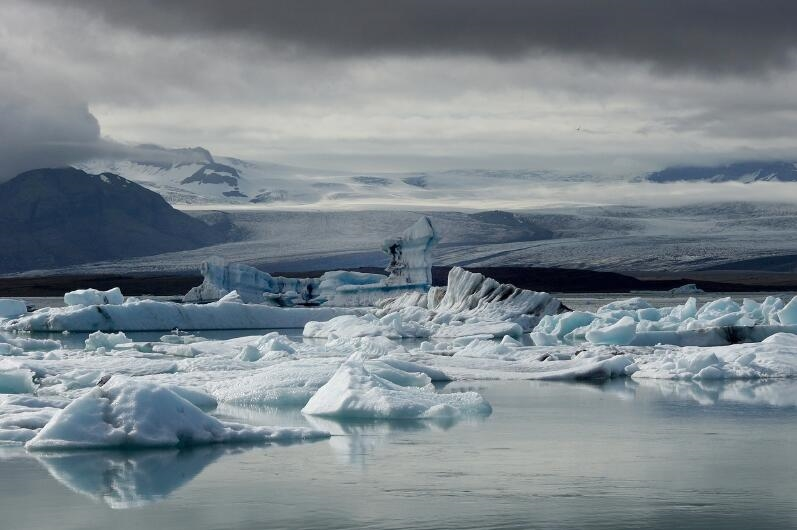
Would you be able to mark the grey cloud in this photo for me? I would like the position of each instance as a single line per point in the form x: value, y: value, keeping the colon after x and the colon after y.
x: 728, y: 36
x: 48, y: 131
x: 44, y: 133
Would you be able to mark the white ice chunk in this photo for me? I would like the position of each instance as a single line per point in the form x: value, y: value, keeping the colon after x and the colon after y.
x: 689, y: 288
x: 10, y: 308
x: 19, y: 381
x: 124, y: 413
x: 109, y: 341
x: 411, y: 255
x: 619, y: 333
x: 253, y: 286
x: 355, y: 391
x: 84, y: 297
x: 788, y: 315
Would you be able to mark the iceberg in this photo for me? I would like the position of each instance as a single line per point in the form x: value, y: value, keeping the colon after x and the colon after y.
x: 252, y: 285
x: 689, y: 288
x: 634, y: 322
x: 355, y: 391
x: 10, y: 308
x: 84, y: 297
x: 123, y: 413
x: 19, y: 381
x: 411, y: 255
x: 108, y: 341
x: 410, y: 268
x: 472, y: 297
x: 155, y: 315
x: 471, y: 305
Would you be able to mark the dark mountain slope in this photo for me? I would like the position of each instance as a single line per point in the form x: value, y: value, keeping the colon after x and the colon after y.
x: 57, y: 217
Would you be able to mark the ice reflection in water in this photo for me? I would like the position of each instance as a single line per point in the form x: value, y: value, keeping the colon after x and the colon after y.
x: 127, y: 479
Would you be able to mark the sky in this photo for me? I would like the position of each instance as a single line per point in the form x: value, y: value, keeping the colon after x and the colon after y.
x: 616, y: 87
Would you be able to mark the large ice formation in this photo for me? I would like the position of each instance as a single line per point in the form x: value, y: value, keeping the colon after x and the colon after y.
x: 123, y: 413
x: 355, y: 391
x: 410, y: 268
x: 252, y: 285
x: 470, y: 305
x: 153, y: 315
x: 411, y: 255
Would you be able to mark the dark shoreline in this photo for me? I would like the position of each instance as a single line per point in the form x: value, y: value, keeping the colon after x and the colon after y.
x: 533, y: 278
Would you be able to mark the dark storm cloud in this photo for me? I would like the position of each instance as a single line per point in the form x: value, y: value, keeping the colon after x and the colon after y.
x: 40, y: 129
x: 45, y: 132
x: 727, y: 36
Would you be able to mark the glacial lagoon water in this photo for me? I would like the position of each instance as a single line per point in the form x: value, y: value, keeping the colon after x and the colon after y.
x: 621, y: 454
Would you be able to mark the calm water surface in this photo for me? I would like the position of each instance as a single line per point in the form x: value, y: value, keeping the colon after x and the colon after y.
x: 552, y: 455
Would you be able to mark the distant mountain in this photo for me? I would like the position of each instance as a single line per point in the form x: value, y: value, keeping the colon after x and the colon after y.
x: 751, y: 171
x: 58, y: 217
x: 194, y: 176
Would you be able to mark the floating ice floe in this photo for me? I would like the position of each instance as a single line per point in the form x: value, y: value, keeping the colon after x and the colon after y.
x: 17, y: 345
x: 156, y: 395
x: 357, y: 391
x: 634, y: 322
x: 124, y: 413
x: 153, y: 315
